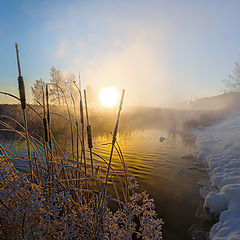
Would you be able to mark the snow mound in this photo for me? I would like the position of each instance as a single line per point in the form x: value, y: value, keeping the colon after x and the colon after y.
x: 215, y: 202
x: 219, y: 148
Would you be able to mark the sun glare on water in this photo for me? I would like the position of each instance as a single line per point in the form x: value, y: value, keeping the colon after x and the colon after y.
x: 109, y: 97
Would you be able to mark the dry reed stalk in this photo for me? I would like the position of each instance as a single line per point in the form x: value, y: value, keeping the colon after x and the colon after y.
x: 45, y: 125
x: 76, y: 125
x: 48, y: 126
x: 11, y: 129
x: 113, y: 141
x: 77, y: 142
x: 45, y: 140
x: 120, y: 154
x: 89, y: 138
x: 83, y: 154
x: 58, y: 145
x: 21, y: 88
x: 102, y: 196
x: 48, y: 118
x: 89, y: 132
x: 82, y: 123
x: 35, y: 144
x: 69, y: 114
x: 36, y: 165
x: 119, y: 179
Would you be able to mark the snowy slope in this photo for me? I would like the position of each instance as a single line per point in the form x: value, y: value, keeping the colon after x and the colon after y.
x: 219, y: 147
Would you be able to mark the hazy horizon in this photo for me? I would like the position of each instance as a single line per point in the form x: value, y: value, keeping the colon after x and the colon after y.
x: 161, y: 52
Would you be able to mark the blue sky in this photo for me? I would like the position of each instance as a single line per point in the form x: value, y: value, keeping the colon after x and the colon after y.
x: 161, y: 52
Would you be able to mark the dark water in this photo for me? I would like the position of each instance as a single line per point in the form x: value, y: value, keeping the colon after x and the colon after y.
x: 160, y: 169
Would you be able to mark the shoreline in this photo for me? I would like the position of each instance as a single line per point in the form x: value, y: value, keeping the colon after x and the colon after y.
x: 218, y: 150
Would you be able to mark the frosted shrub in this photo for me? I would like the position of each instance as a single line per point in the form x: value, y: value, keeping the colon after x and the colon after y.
x: 27, y: 212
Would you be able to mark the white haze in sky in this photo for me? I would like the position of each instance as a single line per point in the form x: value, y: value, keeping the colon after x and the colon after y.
x: 161, y: 52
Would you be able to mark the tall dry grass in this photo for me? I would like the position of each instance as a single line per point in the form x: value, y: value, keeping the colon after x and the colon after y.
x: 63, y: 195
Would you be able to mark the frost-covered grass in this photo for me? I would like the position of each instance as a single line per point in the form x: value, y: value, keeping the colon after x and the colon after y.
x: 27, y: 211
x: 219, y: 147
x: 64, y: 195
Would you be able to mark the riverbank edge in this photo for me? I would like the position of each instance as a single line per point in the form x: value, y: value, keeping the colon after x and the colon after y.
x: 217, y: 151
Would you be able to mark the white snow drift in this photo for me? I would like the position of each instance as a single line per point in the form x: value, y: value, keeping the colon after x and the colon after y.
x: 219, y: 147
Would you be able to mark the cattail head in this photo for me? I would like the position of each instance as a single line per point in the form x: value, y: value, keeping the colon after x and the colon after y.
x: 47, y: 100
x: 21, y: 89
x: 89, y: 134
x: 45, y: 126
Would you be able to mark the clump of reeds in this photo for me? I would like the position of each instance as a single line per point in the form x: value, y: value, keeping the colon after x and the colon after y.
x: 62, y: 200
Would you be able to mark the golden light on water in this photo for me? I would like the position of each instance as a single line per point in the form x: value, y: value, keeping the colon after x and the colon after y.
x: 109, y: 96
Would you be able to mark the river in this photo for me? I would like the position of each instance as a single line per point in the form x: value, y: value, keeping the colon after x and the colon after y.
x: 160, y: 170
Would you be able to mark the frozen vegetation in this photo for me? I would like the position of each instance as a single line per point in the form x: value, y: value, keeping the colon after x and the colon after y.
x: 219, y: 149
x: 67, y: 194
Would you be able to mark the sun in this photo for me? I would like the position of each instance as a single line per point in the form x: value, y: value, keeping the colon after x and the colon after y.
x: 109, y: 96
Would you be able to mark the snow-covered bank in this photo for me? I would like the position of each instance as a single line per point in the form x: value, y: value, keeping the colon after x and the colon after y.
x: 219, y: 147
